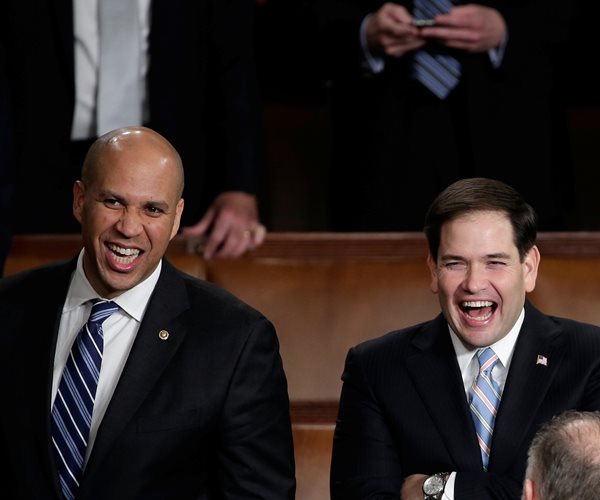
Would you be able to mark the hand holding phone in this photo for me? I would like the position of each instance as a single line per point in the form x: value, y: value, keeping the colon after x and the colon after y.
x: 422, y: 23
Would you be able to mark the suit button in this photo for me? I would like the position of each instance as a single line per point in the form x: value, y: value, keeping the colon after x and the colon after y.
x: 163, y: 335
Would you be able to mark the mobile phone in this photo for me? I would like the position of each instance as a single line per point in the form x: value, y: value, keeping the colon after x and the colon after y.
x: 422, y: 23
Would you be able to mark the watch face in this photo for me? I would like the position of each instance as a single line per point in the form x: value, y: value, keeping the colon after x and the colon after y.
x: 433, y: 485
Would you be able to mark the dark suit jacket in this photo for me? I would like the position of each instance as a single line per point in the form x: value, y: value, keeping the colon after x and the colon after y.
x: 202, y: 94
x: 396, y: 145
x: 403, y: 408
x: 204, y: 414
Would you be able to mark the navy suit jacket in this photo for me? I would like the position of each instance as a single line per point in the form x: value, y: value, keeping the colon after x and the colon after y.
x: 404, y: 411
x: 202, y: 415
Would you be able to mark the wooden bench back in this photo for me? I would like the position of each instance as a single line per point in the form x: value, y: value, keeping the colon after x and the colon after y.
x: 326, y: 292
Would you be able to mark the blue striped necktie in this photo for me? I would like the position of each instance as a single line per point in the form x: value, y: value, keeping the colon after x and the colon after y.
x: 74, y: 402
x: 439, y: 72
x: 485, y: 399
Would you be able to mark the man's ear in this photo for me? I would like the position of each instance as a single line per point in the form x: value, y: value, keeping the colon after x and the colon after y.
x: 530, y: 490
x: 434, y: 276
x: 177, y: 221
x: 531, y: 263
x: 78, y: 199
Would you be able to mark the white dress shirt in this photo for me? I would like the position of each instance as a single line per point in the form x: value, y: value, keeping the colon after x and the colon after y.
x: 469, y: 369
x: 120, y: 330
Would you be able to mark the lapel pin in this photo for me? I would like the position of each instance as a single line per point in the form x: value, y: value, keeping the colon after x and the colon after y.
x: 541, y: 360
x: 163, y: 335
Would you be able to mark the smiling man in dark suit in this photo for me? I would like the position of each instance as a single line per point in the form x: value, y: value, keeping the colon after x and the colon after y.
x: 191, y: 398
x: 447, y: 409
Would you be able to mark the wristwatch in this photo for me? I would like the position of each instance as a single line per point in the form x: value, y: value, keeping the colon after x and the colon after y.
x: 433, y: 487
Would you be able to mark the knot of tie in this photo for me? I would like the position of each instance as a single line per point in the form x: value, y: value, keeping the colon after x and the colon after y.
x: 487, y: 360
x: 101, y: 310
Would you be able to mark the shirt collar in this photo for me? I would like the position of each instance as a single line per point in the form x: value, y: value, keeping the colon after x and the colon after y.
x: 503, y: 348
x: 133, y: 301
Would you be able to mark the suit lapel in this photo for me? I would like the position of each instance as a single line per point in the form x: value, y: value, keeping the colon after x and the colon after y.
x: 435, y: 373
x: 149, y: 356
x: 526, y: 386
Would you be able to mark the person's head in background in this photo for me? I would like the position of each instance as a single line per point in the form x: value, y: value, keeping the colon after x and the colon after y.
x: 564, y: 459
x: 129, y: 204
x: 482, y: 257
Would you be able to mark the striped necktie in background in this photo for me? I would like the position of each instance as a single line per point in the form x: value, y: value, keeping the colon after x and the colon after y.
x: 439, y: 72
x: 74, y: 402
x: 485, y: 399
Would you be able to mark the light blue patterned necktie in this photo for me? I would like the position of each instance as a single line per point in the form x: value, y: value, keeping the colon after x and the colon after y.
x: 485, y: 399
x: 74, y: 402
x: 438, y: 72
x: 120, y: 83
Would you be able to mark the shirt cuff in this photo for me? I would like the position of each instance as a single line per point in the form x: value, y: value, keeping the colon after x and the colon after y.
x: 497, y: 54
x: 449, y: 488
x: 371, y: 63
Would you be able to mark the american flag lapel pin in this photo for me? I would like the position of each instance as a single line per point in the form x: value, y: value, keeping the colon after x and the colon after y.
x: 541, y: 360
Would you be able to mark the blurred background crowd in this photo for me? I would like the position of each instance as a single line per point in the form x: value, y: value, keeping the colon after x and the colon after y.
x: 317, y: 139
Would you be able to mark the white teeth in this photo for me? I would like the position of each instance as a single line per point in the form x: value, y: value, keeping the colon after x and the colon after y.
x: 478, y: 303
x: 124, y: 255
x: 124, y: 251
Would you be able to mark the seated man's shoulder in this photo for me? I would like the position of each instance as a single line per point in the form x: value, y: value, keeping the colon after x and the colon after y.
x: 577, y: 330
x: 396, y: 341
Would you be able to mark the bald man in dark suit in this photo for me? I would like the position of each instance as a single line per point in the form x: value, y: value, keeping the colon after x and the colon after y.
x: 191, y: 399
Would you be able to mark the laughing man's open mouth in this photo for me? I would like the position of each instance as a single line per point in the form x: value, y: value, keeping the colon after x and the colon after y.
x: 123, y: 255
x: 478, y: 310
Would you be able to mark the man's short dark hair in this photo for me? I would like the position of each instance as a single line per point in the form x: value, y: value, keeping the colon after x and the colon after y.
x: 481, y: 195
x: 564, y: 457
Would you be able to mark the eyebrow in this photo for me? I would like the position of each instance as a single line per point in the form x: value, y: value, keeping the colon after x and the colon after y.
x: 110, y: 194
x: 162, y: 204
x: 451, y: 257
x: 499, y: 255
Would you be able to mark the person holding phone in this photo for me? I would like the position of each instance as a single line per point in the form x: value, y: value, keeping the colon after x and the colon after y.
x: 501, y: 118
